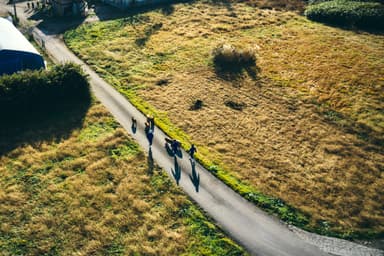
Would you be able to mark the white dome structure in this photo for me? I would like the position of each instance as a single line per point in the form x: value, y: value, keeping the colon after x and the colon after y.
x: 16, y: 52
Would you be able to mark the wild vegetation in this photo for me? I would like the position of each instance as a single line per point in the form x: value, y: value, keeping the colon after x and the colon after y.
x: 301, y: 134
x: 38, y: 90
x: 73, y: 182
x: 228, y: 55
x: 366, y: 14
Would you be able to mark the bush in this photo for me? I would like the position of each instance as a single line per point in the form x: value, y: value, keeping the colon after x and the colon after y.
x: 228, y: 55
x: 322, y: 1
x: 36, y: 90
x: 198, y: 104
x: 346, y: 12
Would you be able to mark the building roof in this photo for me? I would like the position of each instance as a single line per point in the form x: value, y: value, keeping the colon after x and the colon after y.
x: 12, y: 39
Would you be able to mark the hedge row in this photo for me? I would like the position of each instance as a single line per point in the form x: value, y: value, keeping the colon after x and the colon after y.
x: 322, y: 1
x: 348, y: 13
x: 35, y: 90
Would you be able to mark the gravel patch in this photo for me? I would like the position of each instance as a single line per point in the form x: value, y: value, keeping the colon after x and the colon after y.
x: 336, y: 246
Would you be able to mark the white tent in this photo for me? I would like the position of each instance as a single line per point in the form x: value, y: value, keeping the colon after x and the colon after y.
x: 16, y: 52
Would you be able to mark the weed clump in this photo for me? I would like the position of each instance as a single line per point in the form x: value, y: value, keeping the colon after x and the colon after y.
x: 235, y: 105
x: 198, y: 104
x: 227, y: 55
x: 163, y: 82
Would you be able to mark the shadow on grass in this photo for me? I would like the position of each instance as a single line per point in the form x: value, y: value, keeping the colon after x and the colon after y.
x: 52, y: 25
x: 235, y: 73
x: 107, y: 12
x: 47, y: 123
x: 374, y: 29
x: 167, y: 9
x: 225, y: 3
x: 149, y: 31
x: 351, y: 126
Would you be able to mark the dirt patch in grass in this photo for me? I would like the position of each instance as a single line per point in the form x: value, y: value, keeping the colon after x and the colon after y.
x: 311, y: 128
x: 90, y: 193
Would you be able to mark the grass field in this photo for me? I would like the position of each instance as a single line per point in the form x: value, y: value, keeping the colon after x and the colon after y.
x: 311, y: 128
x: 77, y: 184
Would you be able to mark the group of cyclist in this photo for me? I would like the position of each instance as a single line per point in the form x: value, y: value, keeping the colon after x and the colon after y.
x: 170, y: 144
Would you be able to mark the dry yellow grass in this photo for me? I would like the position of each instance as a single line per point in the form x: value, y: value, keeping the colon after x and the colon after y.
x: 89, y: 193
x: 283, y: 142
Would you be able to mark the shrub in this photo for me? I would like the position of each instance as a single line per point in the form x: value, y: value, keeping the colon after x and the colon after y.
x: 36, y: 90
x: 346, y: 12
x: 228, y: 55
x: 198, y: 104
x: 322, y: 1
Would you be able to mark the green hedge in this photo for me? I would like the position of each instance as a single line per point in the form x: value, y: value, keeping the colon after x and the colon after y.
x: 37, y: 90
x: 348, y: 13
x: 322, y: 1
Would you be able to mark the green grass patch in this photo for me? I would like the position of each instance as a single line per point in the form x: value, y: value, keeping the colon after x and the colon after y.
x: 95, y: 131
x: 210, y: 242
x: 125, y: 151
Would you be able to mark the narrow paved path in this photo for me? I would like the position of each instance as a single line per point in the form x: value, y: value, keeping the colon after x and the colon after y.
x: 259, y: 233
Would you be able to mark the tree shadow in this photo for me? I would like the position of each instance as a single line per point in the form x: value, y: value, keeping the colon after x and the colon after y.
x: 44, y: 124
x: 195, y: 177
x: 252, y: 71
x: 150, y: 162
x: 374, y: 29
x: 348, y: 125
x: 52, y: 24
x: 107, y: 12
x: 148, y: 32
x: 176, y: 173
x: 167, y: 10
x: 226, y: 3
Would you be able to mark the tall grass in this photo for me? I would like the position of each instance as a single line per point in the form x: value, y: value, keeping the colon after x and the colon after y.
x: 90, y: 194
x: 310, y: 122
